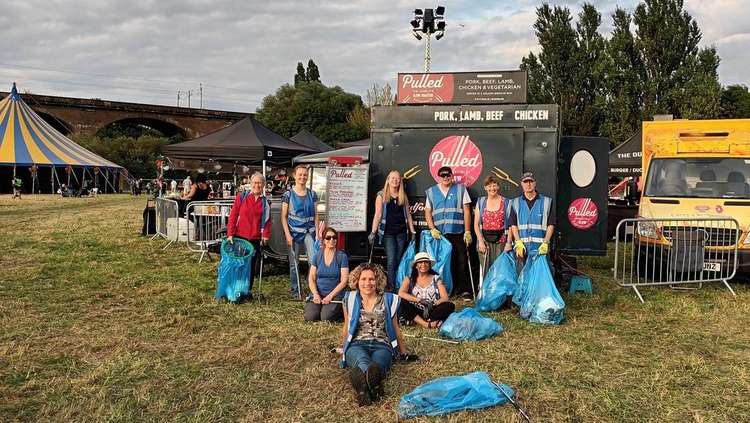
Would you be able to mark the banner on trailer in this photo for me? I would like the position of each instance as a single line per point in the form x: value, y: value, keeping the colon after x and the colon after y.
x: 346, y: 203
x: 500, y: 87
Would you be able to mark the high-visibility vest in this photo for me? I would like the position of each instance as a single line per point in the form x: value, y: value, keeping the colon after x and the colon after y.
x: 532, y: 223
x: 301, y: 216
x: 482, y: 205
x: 381, y: 225
x: 447, y: 210
x: 353, y: 302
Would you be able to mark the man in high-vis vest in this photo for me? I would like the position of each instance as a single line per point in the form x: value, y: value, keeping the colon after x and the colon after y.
x: 448, y: 213
x: 532, y: 219
x: 299, y: 220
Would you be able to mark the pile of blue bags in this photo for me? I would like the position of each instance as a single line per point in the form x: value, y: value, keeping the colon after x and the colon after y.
x: 499, y: 283
x: 234, y: 269
x: 536, y: 293
x: 439, y: 249
x: 469, y: 325
x: 453, y: 393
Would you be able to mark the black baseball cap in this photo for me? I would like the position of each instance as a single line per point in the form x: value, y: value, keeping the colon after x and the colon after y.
x: 528, y: 176
x: 445, y: 169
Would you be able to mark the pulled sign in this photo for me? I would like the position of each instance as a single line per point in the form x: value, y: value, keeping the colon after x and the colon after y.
x: 501, y: 87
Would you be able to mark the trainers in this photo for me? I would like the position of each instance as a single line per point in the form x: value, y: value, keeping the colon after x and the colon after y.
x: 359, y: 383
x: 467, y: 297
x: 375, y: 381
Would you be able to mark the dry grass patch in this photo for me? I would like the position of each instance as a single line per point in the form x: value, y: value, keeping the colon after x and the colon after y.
x: 101, y: 324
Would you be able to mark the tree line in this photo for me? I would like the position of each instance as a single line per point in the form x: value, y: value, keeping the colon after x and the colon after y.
x: 651, y: 64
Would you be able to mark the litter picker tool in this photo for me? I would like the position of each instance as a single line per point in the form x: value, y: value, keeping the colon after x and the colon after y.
x: 447, y: 341
x: 296, y: 271
x: 260, y: 272
x: 515, y: 404
x: 471, y: 274
x: 482, y: 265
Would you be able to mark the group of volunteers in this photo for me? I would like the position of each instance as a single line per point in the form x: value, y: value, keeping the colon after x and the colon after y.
x: 376, y: 303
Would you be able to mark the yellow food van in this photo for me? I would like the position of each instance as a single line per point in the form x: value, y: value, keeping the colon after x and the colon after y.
x: 698, y: 169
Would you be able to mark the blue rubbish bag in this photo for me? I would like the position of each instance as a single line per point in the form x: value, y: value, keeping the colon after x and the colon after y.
x: 234, y: 269
x: 542, y: 302
x: 453, y: 393
x: 404, y: 268
x: 499, y: 283
x: 440, y: 250
x: 469, y: 325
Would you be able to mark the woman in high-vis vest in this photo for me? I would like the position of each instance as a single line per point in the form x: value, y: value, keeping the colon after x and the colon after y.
x: 372, y: 337
x: 391, y: 222
x: 299, y: 220
x: 250, y: 219
x: 490, y: 215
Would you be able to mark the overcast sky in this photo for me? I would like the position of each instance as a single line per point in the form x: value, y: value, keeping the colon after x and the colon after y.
x: 147, y: 50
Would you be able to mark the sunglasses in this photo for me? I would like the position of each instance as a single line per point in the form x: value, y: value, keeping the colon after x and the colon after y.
x: 445, y: 175
x: 330, y: 237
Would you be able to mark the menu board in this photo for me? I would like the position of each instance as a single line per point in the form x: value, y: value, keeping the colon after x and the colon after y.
x: 346, y: 205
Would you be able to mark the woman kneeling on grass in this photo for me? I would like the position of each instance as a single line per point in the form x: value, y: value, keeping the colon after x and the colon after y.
x: 372, y: 336
x: 329, y: 274
x: 427, y: 303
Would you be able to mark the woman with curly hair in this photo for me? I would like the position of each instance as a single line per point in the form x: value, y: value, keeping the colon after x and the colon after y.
x: 372, y: 337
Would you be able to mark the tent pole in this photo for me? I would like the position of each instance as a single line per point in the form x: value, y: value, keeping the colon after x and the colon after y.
x: 52, y: 178
x: 68, y: 183
x: 107, y: 182
x: 83, y: 178
x: 14, y: 172
x: 57, y: 177
x: 33, y: 179
x: 264, y: 177
x: 74, y: 175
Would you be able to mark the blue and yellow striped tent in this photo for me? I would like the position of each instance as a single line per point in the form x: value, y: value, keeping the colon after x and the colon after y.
x: 26, y: 140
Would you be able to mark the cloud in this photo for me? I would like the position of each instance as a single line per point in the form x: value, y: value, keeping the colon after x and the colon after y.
x: 147, y: 50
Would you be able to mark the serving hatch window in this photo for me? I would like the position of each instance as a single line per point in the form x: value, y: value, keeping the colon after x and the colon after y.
x: 699, y: 178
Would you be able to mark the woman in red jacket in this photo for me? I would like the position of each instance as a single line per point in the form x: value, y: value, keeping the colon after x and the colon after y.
x: 250, y: 219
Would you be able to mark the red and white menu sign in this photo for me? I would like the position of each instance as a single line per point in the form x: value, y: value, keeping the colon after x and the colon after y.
x: 346, y: 198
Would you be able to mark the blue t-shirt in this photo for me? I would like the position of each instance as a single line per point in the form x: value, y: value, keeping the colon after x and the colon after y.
x: 329, y: 276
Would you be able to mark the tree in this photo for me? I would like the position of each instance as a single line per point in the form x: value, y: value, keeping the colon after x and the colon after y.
x: 300, y: 76
x: 569, y: 69
x: 701, y: 94
x: 621, y: 81
x: 735, y: 102
x: 380, y: 95
x: 313, y: 74
x: 313, y: 106
x: 667, y: 44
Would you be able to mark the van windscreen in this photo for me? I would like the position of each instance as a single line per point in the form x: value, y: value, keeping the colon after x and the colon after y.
x: 699, y: 178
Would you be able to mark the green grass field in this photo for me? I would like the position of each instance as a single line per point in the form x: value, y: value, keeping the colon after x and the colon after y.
x: 98, y: 323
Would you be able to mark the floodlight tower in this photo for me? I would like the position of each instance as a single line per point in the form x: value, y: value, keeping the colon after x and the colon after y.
x: 428, y: 22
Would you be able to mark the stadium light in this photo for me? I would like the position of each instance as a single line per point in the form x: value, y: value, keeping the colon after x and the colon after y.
x: 428, y: 22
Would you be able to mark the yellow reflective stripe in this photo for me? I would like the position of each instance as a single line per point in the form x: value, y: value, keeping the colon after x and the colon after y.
x: 37, y: 156
x: 51, y: 146
x: 7, y: 148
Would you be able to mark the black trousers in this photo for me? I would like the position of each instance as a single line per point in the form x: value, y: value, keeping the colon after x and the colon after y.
x: 438, y: 313
x: 459, y: 268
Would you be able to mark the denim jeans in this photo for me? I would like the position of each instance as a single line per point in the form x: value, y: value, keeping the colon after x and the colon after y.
x: 294, y: 253
x: 362, y: 353
x: 395, y: 245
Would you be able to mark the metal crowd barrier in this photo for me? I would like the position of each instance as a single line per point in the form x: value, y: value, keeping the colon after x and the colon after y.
x: 675, y: 252
x: 206, y: 224
x: 167, y: 212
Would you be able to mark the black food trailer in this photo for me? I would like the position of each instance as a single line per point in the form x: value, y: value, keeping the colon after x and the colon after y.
x: 501, y: 140
x: 476, y: 141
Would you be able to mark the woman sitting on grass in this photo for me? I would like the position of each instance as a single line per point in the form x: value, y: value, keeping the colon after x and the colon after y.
x: 427, y: 302
x: 329, y: 273
x: 372, y: 336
